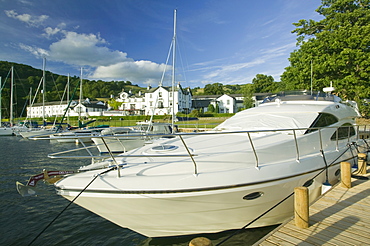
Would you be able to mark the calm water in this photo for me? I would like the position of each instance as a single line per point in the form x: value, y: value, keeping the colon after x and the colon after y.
x: 23, y: 218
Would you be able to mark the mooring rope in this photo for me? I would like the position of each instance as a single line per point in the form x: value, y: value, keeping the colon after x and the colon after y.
x: 69, y: 204
x: 260, y: 216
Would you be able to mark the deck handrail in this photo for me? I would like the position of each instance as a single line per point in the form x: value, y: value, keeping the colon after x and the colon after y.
x: 214, y: 132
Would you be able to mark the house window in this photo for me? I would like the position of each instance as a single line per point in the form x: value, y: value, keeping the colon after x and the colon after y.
x: 160, y: 94
x: 228, y: 102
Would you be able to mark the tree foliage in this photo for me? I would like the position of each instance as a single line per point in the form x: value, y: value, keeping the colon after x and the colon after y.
x: 337, y: 49
x: 214, y: 89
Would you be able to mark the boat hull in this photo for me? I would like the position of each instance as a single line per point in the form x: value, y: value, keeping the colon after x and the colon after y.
x: 206, y: 211
x: 5, y: 131
x: 118, y: 145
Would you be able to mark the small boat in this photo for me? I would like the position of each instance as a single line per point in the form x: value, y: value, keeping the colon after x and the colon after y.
x: 224, y: 178
x: 71, y: 136
x: 122, y: 139
x: 6, y: 131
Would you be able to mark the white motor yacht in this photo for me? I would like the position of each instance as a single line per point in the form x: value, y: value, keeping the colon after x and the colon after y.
x: 225, y: 178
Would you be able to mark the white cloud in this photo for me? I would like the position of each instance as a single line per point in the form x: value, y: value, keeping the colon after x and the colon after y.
x: 90, y: 50
x: 38, y: 52
x: 27, y: 18
x: 51, y: 31
x: 146, y: 72
x: 85, y: 49
x: 224, y: 71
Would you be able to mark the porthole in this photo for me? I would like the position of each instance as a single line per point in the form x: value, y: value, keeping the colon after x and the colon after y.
x: 337, y: 173
x: 308, y: 183
x: 253, y: 195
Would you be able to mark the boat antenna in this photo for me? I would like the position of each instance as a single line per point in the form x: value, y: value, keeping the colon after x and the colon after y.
x: 311, y: 77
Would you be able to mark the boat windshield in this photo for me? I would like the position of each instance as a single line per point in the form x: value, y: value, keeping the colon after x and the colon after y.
x: 322, y: 120
x: 302, y: 95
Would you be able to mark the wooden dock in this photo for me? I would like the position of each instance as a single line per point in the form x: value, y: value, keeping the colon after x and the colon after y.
x: 339, y: 217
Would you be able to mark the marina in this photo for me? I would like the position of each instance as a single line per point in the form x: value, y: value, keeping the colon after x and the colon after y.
x: 239, y: 175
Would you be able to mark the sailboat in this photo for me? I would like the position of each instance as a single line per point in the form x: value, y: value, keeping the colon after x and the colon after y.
x: 123, y: 139
x: 39, y: 131
x: 74, y: 135
x: 5, y: 130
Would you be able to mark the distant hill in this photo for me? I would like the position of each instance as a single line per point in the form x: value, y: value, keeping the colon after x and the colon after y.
x: 27, y: 77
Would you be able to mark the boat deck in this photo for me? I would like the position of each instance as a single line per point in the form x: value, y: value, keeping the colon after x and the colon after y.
x: 339, y: 217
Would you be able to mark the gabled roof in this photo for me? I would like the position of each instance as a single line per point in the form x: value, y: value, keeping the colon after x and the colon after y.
x: 205, y: 97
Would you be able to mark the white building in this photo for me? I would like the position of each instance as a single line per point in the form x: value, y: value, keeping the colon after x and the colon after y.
x: 156, y: 101
x: 57, y: 109
x: 226, y: 103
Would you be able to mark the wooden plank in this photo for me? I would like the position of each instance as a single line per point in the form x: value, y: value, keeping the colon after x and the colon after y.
x: 278, y: 241
x: 314, y: 231
x: 340, y: 211
x: 267, y: 243
x: 343, y: 205
x: 333, y: 228
x: 344, y: 216
x: 348, y: 227
x: 339, y: 217
x: 304, y: 235
x: 283, y: 237
x: 359, y: 198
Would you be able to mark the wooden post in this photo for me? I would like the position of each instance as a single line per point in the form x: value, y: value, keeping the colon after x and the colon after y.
x: 345, y: 168
x: 362, y: 164
x: 200, y: 241
x: 301, y: 210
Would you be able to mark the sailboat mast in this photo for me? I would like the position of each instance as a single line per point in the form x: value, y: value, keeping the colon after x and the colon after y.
x: 1, y: 89
x: 173, y: 69
x: 43, y: 89
x: 11, y: 96
x: 80, y: 99
x: 68, y: 99
x: 30, y: 100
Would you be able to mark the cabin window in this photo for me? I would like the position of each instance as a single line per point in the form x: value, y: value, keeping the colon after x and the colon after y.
x: 322, y: 120
x: 343, y: 132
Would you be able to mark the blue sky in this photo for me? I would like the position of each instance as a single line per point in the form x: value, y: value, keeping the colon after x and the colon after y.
x: 218, y: 41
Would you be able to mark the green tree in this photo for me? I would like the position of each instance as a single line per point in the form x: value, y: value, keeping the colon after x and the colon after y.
x: 337, y: 48
x: 211, y: 108
x: 114, y: 104
x: 263, y: 83
x: 194, y: 113
x: 248, y: 91
x: 214, y: 89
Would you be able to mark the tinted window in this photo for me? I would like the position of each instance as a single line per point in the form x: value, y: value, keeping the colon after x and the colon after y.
x: 343, y: 132
x: 322, y: 120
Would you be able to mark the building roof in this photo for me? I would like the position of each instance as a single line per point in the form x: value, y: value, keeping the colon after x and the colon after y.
x: 201, y: 103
